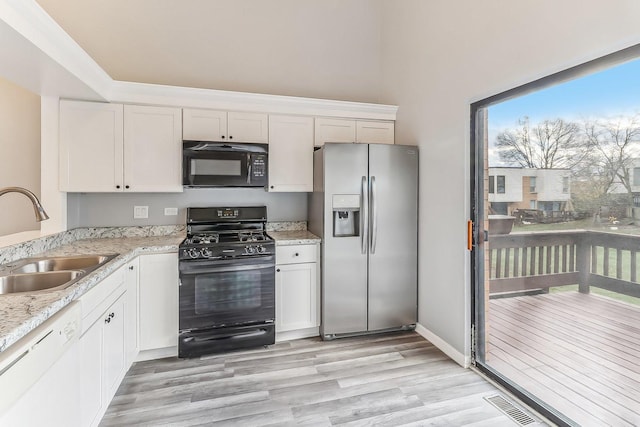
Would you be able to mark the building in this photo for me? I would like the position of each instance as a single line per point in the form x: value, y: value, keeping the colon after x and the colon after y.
x: 512, y: 188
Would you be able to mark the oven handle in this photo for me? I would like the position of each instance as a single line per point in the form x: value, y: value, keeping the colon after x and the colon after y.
x: 210, y: 268
x: 227, y: 336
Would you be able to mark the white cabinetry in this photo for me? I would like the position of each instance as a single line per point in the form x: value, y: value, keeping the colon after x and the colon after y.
x: 290, y: 153
x: 297, y: 291
x: 132, y: 334
x: 152, y: 149
x: 214, y: 125
x: 350, y: 131
x: 158, y: 304
x: 102, y: 346
x: 111, y: 148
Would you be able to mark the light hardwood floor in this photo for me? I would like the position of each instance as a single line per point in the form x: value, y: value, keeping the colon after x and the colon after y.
x: 391, y: 379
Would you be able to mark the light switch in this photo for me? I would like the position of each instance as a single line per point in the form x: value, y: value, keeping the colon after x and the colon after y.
x: 170, y: 211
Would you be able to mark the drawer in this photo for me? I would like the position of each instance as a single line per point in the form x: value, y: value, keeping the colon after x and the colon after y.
x: 296, y: 254
x: 101, y: 296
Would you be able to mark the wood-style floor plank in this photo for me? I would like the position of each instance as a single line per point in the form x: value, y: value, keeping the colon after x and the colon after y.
x: 577, y: 352
x: 388, y: 379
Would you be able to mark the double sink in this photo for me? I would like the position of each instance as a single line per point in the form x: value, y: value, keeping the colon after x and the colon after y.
x: 49, y: 273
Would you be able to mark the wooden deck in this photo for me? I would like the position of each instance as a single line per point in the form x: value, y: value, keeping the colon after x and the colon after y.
x: 578, y: 352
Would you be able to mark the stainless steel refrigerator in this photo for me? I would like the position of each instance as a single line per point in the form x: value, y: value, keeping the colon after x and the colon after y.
x: 364, y: 206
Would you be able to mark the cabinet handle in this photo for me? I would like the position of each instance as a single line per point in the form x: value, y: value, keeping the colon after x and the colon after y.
x: 222, y: 137
x: 126, y: 186
x: 131, y: 267
x: 297, y: 254
x: 277, y: 270
x: 230, y: 136
x: 117, y: 186
x: 272, y: 186
x: 112, y: 315
x: 107, y: 320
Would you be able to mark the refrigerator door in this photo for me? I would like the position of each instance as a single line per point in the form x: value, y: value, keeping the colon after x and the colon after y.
x: 393, y: 268
x: 344, y: 262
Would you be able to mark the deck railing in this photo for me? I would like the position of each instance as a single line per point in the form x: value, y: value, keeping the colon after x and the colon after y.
x: 540, y: 260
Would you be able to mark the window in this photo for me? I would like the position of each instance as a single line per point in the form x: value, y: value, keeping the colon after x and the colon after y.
x: 565, y: 184
x: 492, y: 183
x: 532, y: 204
x: 500, y: 184
x: 532, y: 184
x: 636, y: 176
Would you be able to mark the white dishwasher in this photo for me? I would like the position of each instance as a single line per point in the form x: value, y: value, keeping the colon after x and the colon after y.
x: 38, y: 375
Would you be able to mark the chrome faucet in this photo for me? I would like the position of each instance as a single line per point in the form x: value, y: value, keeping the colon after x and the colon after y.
x: 41, y: 215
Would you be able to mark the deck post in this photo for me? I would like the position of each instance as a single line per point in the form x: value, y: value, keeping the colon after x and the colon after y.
x: 583, y: 261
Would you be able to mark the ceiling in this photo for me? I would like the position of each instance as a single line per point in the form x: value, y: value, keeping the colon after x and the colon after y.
x: 311, y: 48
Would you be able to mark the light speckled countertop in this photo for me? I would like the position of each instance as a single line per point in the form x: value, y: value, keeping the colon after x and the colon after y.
x: 21, y: 313
x: 294, y: 237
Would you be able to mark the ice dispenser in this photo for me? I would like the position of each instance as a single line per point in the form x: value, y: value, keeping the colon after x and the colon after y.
x: 346, y: 215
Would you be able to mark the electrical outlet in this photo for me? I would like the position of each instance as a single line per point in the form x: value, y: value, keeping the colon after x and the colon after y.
x: 170, y: 211
x: 140, y: 212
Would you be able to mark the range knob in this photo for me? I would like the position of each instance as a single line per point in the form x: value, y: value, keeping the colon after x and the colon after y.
x: 250, y: 249
x: 261, y: 249
x: 193, y: 253
x: 206, y: 252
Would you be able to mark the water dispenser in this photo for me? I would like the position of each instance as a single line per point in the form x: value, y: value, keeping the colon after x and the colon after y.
x: 346, y: 215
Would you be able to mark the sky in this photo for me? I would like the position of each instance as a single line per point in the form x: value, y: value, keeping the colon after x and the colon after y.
x: 608, y: 93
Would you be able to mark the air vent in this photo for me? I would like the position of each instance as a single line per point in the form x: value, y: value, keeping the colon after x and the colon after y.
x: 512, y: 411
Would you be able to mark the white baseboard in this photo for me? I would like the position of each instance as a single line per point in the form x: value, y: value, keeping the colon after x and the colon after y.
x: 157, y: 353
x: 297, y: 334
x: 455, y: 355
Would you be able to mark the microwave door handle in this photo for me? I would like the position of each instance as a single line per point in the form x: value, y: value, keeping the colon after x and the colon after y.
x: 249, y: 169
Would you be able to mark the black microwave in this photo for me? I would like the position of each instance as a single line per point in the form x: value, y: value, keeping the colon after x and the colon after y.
x: 220, y: 164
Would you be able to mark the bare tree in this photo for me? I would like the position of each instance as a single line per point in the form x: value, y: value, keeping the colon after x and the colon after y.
x: 550, y: 144
x: 615, y: 144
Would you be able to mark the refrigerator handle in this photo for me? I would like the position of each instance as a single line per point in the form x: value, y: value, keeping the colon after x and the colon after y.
x: 374, y: 215
x: 364, y: 216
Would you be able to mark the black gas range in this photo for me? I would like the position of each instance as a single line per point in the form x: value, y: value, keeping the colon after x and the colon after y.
x: 227, y: 281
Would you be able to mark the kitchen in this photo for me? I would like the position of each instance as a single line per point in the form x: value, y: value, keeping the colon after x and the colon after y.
x: 433, y: 90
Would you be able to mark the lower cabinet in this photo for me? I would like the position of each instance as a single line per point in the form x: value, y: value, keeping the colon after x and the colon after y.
x: 297, y: 291
x: 158, y: 315
x: 102, y: 362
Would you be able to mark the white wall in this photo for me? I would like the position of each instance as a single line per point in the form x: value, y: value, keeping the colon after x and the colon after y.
x: 438, y: 57
x: 19, y: 156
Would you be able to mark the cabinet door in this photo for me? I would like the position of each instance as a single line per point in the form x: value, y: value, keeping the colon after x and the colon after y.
x: 375, y: 132
x: 158, y: 301
x: 113, y: 369
x: 152, y: 149
x: 131, y: 338
x: 296, y: 297
x: 290, y: 153
x: 334, y: 130
x: 248, y: 127
x: 91, y: 150
x: 91, y: 385
x: 204, y: 125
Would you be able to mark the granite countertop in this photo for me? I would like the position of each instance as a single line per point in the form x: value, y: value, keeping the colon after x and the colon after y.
x: 21, y: 313
x: 294, y: 237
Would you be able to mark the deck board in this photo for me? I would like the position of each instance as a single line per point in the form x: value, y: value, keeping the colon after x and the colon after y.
x: 577, y: 352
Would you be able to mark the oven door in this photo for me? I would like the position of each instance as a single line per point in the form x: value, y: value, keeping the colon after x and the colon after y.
x: 216, y: 293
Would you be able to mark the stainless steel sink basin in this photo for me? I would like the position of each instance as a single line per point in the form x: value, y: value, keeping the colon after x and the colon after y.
x: 37, y: 265
x: 33, y: 282
x: 49, y: 273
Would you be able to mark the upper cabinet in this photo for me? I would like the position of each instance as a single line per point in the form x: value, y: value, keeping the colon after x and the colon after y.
x: 350, y: 131
x: 111, y: 148
x: 290, y: 153
x: 222, y: 126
